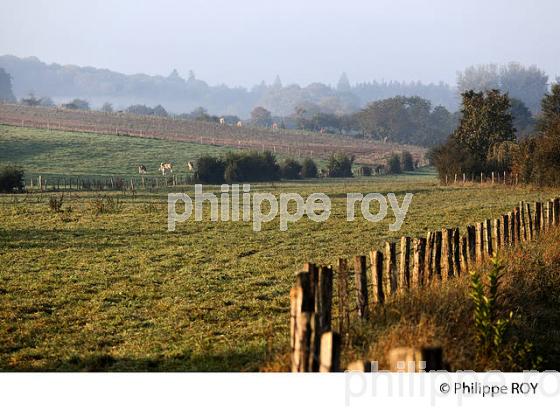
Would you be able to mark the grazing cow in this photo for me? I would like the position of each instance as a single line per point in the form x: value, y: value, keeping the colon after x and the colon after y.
x: 142, y: 169
x: 239, y: 124
x: 222, y: 121
x: 190, y: 166
x: 164, y: 167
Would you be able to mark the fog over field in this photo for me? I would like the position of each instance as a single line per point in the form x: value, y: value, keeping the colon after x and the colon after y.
x: 386, y: 48
x: 244, y: 42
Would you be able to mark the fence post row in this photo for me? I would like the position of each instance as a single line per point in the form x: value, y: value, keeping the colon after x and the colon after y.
x: 439, y: 256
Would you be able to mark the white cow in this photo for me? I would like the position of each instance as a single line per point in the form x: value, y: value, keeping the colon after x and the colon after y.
x: 165, y: 167
x: 239, y: 124
x: 222, y: 121
x: 142, y: 169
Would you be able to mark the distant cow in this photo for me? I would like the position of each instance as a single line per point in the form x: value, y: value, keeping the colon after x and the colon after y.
x: 190, y: 166
x: 222, y: 121
x: 274, y: 126
x: 164, y: 167
x: 142, y: 169
x: 239, y: 124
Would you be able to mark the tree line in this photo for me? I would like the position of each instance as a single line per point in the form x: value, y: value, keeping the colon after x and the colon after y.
x: 485, y: 139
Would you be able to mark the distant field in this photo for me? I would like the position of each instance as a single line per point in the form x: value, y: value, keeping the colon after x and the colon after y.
x: 286, y: 142
x: 116, y: 291
x: 45, y: 152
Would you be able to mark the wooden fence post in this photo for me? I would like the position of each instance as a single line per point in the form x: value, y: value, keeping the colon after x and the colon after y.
x: 556, y: 211
x: 464, y: 254
x: 471, y: 244
x: 433, y: 357
x: 447, y: 254
x: 479, y: 242
x: 488, y: 237
x: 497, y: 236
x: 419, y: 262
x: 522, y: 222
x: 437, y: 255
x: 456, y: 252
x: 404, y: 266
x: 512, y: 228
x: 529, y: 217
x: 314, y: 327
x: 343, y: 308
x: 324, y: 298
x: 390, y: 268
x: 538, y: 214
x: 360, y: 277
x: 301, y: 317
x: 429, y: 265
x: 549, y: 214
x: 330, y: 352
x: 377, y: 276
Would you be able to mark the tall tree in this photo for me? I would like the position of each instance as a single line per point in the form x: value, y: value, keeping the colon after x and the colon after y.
x: 550, y: 110
x: 261, y: 117
x: 528, y: 84
x: 6, y: 93
x: 486, y: 121
x: 343, y: 85
x: 478, y: 78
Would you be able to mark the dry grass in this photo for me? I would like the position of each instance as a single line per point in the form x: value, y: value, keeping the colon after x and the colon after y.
x: 442, y: 315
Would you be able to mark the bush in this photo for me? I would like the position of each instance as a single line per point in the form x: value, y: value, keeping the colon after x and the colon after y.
x: 394, y: 164
x: 309, y: 168
x: 251, y: 167
x: 11, y: 179
x: 451, y: 158
x: 290, y: 169
x: 340, y: 166
x: 210, y: 170
x: 407, y: 162
x: 238, y: 167
x: 106, y: 205
x: 55, y: 204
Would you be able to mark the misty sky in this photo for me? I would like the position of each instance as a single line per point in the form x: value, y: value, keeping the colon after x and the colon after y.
x: 243, y: 42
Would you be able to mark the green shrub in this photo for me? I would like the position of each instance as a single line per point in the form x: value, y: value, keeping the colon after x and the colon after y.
x: 251, y: 167
x: 290, y: 169
x: 210, y: 170
x: 309, y: 168
x: 407, y: 162
x: 490, y: 324
x: 11, y: 179
x: 340, y: 166
x: 394, y: 164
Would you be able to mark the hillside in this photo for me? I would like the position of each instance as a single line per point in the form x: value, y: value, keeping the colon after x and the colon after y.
x: 287, y: 142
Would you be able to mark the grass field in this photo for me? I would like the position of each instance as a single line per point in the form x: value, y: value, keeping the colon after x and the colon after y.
x: 59, y: 153
x: 116, y: 291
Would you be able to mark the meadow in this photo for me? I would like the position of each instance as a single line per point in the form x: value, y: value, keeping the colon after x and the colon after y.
x: 102, y: 285
x: 113, y: 290
x: 60, y: 153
